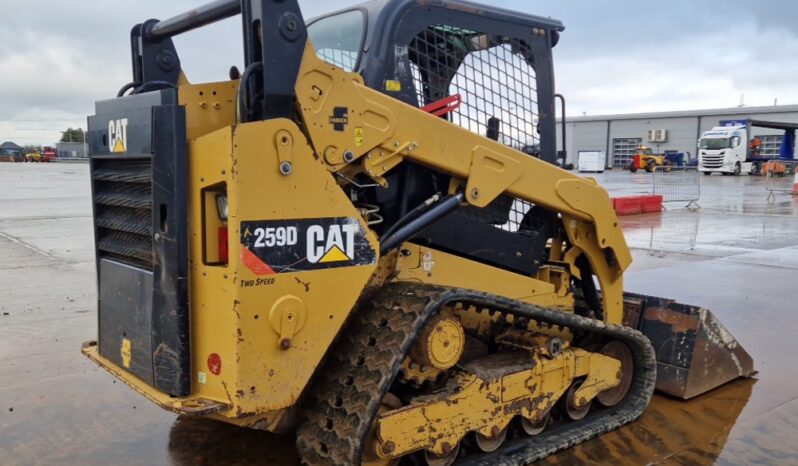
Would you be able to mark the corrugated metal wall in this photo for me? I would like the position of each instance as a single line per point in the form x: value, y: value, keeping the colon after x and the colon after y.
x: 683, y: 131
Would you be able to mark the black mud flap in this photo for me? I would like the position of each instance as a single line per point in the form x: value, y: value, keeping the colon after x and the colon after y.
x: 139, y: 189
x: 695, y: 352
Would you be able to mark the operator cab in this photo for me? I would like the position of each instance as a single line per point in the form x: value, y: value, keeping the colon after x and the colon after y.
x: 485, y: 69
x: 497, y: 62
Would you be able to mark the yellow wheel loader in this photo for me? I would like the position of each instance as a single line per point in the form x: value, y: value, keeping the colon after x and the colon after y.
x: 345, y: 240
x: 644, y: 158
x: 33, y: 156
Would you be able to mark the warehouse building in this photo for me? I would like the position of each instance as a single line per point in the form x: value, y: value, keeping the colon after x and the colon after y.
x: 71, y: 150
x: 618, y: 135
x: 9, y: 149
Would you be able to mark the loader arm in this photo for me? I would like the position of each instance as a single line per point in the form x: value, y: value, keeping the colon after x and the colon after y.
x: 382, y: 132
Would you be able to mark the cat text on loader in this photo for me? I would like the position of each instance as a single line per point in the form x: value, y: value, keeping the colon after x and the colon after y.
x: 345, y: 240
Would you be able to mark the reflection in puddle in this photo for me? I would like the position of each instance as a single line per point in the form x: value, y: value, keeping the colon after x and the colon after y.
x: 670, y: 431
x: 715, y: 235
x: 682, y: 432
x: 680, y: 235
x: 195, y: 441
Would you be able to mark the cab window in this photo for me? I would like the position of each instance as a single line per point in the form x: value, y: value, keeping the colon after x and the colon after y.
x: 338, y: 39
x: 715, y: 143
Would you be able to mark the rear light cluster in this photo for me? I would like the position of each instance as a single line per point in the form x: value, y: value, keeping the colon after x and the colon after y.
x: 215, y: 363
x: 224, y: 252
x: 216, y: 250
x: 221, y: 208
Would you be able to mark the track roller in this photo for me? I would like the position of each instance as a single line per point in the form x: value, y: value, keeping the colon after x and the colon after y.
x: 535, y: 428
x: 445, y: 460
x: 574, y: 412
x: 490, y: 444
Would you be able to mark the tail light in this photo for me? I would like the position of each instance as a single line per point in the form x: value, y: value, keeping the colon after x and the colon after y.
x: 223, y: 249
x: 215, y: 363
x: 215, y: 229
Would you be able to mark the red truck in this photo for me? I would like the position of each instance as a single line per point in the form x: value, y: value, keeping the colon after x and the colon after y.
x: 49, y: 154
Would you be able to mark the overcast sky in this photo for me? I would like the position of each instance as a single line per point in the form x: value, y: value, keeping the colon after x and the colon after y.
x: 616, y: 56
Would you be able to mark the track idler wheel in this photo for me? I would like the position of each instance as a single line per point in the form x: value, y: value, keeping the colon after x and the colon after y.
x: 618, y: 350
x: 574, y: 412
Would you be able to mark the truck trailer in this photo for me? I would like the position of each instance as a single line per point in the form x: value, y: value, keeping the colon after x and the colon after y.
x: 731, y: 149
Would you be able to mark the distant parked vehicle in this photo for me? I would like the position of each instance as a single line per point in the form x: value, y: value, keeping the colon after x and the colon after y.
x: 34, y: 156
x: 646, y: 159
x: 49, y: 154
x: 731, y: 149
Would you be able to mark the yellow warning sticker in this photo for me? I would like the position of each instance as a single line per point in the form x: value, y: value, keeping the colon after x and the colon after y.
x: 359, y: 137
x: 392, y: 85
x: 126, y: 353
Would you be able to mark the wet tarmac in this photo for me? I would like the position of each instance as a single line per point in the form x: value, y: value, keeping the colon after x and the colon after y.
x: 737, y: 255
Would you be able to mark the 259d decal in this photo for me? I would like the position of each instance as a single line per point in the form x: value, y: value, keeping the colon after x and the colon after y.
x: 279, y: 246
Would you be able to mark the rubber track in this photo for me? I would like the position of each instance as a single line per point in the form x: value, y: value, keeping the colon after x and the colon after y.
x: 346, y: 394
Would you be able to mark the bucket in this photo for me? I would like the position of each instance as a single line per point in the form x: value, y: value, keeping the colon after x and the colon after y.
x: 695, y: 352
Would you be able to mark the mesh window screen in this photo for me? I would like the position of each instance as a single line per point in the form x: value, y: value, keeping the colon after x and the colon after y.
x: 494, y: 79
x: 498, y: 89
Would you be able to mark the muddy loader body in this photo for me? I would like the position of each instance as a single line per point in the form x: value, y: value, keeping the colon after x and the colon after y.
x: 346, y: 240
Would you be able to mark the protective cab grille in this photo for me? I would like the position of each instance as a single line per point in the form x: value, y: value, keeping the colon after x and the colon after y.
x: 494, y: 78
x: 497, y: 83
x: 123, y: 210
x: 493, y: 75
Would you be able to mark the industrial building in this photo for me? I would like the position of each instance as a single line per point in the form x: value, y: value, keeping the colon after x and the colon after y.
x: 9, y: 149
x: 618, y: 135
x: 71, y: 150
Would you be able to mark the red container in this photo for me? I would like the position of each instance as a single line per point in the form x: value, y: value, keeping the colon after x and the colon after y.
x: 629, y: 205
x: 652, y: 203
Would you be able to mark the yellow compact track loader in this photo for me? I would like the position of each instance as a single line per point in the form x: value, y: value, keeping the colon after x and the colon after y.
x: 347, y: 241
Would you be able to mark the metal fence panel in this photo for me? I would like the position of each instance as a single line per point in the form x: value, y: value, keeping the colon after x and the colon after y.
x: 678, y: 234
x: 780, y: 177
x: 677, y: 184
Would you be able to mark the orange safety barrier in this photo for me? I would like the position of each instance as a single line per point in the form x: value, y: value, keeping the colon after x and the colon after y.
x: 633, y: 205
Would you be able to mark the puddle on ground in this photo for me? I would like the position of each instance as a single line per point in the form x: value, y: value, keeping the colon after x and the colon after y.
x: 695, y: 431
x: 671, y: 430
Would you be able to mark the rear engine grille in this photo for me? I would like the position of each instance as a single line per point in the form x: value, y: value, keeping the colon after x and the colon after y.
x: 123, y: 210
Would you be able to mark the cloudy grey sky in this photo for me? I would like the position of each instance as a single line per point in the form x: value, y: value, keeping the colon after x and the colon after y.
x: 616, y: 56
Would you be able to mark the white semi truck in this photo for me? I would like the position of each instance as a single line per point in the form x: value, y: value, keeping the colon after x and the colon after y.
x: 724, y: 149
x: 730, y: 149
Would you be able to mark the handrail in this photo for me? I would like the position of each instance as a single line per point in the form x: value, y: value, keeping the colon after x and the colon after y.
x: 193, y: 19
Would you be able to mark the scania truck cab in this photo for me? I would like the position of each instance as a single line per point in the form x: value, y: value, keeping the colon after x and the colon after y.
x: 724, y: 149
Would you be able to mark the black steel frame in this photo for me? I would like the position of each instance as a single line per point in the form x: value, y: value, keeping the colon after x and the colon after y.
x: 274, y: 40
